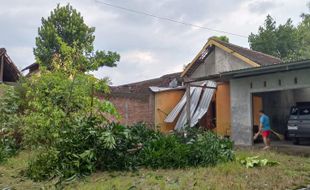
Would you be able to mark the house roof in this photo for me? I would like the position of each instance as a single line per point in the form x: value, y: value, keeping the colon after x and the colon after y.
x: 266, y: 69
x: 2, y: 51
x: 255, y: 71
x: 251, y: 57
x: 33, y: 66
x: 10, y: 71
x: 141, y: 89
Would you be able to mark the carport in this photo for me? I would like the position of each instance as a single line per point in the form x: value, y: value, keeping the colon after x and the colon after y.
x: 274, y: 88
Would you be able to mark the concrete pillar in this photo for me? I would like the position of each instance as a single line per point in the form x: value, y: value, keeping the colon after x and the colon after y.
x: 241, y: 118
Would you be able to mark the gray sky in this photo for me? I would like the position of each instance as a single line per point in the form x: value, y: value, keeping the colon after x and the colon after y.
x: 148, y: 47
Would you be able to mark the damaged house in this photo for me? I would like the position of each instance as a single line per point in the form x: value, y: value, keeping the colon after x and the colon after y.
x: 148, y: 101
x: 210, y: 100
x: 9, y: 73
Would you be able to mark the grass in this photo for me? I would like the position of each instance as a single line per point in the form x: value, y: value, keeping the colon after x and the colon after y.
x: 293, y: 172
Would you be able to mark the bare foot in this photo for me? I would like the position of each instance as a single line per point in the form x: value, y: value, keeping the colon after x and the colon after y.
x: 266, y: 147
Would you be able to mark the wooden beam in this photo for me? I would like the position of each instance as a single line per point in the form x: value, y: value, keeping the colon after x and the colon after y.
x: 188, y: 103
x: 228, y: 50
x: 202, y: 86
x: 1, y: 68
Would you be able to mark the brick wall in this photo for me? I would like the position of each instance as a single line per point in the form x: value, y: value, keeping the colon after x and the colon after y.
x: 135, y: 110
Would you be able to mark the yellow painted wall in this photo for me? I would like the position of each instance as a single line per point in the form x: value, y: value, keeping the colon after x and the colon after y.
x: 257, y: 106
x: 164, y: 103
x: 223, y: 115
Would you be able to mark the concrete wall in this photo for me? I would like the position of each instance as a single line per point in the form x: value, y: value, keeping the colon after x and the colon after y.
x: 207, y: 68
x: 219, y: 61
x: 241, y: 90
x: 227, y: 62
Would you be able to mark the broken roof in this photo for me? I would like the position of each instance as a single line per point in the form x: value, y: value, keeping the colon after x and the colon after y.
x: 33, y: 66
x: 251, y: 57
x: 10, y: 71
x: 141, y: 89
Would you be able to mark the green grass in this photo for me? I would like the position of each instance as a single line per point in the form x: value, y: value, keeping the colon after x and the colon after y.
x: 293, y: 172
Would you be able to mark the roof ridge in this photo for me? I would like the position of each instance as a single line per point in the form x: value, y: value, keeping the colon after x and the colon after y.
x: 148, y: 80
x: 2, y: 51
x: 224, y: 43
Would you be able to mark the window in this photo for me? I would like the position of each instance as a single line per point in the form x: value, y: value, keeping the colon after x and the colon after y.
x: 305, y: 111
x: 280, y: 82
x: 295, y: 80
x: 294, y: 113
x: 251, y: 85
x: 265, y: 83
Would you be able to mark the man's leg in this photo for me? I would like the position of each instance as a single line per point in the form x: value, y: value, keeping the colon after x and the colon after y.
x: 268, y: 141
x: 265, y: 141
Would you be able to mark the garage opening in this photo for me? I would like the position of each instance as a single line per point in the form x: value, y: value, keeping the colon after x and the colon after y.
x: 279, y: 106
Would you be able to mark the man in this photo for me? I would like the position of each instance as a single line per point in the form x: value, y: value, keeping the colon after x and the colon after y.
x: 264, y: 129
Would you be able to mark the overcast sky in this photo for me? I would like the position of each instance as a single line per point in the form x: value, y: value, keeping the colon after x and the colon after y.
x: 148, y: 47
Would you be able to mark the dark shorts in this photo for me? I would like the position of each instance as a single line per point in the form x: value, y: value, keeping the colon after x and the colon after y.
x: 266, y: 133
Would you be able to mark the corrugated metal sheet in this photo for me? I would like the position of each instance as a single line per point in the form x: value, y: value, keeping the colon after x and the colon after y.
x: 200, y: 101
x: 176, y: 110
x: 194, y: 102
x: 163, y: 89
x: 204, y: 103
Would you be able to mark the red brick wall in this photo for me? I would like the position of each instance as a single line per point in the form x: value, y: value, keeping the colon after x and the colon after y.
x: 135, y: 110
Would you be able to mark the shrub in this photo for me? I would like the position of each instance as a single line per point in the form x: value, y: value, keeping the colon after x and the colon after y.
x: 44, y: 166
x: 84, y: 147
x: 208, y: 150
x: 10, y: 137
x: 197, y: 148
x: 165, y: 152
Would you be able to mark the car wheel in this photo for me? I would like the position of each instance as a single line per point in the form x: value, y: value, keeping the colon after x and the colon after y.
x: 296, y: 141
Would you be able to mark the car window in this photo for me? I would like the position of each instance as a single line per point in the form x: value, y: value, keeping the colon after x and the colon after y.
x: 304, y: 113
x: 294, y: 111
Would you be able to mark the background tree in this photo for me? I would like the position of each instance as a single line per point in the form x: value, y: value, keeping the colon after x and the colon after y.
x: 304, y: 35
x: 65, y: 27
x: 222, y: 38
x: 280, y: 41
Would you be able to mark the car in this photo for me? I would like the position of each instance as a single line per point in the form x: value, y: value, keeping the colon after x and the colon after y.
x: 298, y: 125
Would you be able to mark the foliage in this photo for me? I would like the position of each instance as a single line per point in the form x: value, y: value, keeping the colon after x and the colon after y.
x: 65, y: 32
x: 9, y: 108
x: 54, y: 101
x: 165, y: 152
x: 286, y: 41
x: 280, y: 41
x: 10, y: 137
x: 209, y: 150
x: 222, y: 38
x: 254, y: 161
x: 197, y: 149
x: 85, y: 146
x: 304, y: 35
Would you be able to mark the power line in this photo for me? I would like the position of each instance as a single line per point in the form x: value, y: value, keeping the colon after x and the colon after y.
x: 169, y: 19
